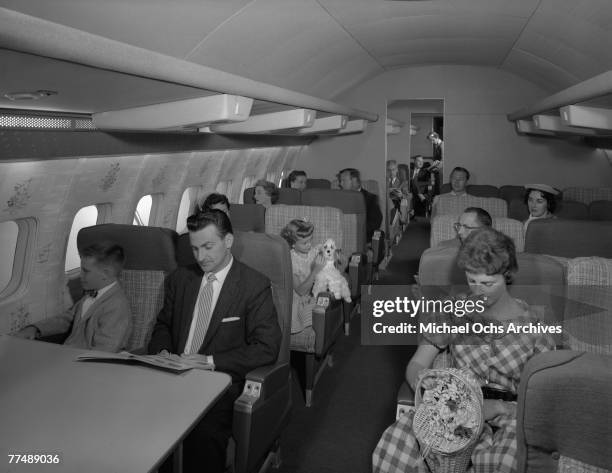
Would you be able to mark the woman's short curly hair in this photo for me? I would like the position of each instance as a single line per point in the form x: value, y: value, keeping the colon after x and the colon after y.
x: 551, y: 200
x: 270, y: 189
x: 295, y: 230
x: 488, y: 251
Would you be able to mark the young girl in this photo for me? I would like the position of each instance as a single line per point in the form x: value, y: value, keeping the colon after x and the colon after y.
x: 488, y: 258
x: 306, y: 263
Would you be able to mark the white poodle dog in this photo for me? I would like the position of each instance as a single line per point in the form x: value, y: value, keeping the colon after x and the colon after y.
x: 330, y: 279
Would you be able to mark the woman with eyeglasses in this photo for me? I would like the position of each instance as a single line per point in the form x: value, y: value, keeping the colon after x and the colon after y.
x: 541, y: 199
x: 488, y: 258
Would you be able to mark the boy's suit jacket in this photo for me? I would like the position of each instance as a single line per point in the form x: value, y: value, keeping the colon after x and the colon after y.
x: 243, y: 333
x: 105, y: 326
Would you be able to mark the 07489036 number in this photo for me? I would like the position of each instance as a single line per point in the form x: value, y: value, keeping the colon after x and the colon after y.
x: 34, y: 458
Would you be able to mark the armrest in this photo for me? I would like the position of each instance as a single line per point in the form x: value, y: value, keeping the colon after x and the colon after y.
x: 264, y: 381
x: 327, y: 321
x: 378, y: 247
x: 357, y: 273
x: 565, y: 406
x: 405, y: 400
x: 261, y: 413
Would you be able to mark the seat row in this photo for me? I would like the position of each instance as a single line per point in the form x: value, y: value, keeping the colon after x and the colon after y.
x: 578, y: 294
x: 585, y: 195
x: 517, y: 209
x: 557, y: 237
x: 262, y: 412
x: 252, y: 217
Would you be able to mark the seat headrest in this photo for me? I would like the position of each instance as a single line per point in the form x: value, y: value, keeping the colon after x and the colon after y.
x: 569, y: 238
x: 248, y: 217
x: 145, y: 248
x: 350, y: 202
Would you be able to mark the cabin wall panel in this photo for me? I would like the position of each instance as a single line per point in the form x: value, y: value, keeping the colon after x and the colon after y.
x: 33, y: 189
x: 477, y: 134
x: 52, y: 191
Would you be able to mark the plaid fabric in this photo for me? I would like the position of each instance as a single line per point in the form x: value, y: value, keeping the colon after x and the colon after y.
x: 569, y: 465
x: 586, y: 195
x: 303, y: 341
x: 327, y: 221
x: 500, y: 361
x: 442, y: 229
x: 145, y: 291
x: 448, y: 204
x: 588, y: 328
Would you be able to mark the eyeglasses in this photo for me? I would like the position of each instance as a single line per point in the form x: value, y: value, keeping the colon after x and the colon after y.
x: 458, y: 226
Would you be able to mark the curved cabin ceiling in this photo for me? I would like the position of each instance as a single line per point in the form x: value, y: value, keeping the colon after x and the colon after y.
x: 325, y: 47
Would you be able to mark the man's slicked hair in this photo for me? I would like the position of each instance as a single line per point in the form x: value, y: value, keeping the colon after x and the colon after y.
x: 218, y: 218
x: 215, y: 199
x: 483, y: 217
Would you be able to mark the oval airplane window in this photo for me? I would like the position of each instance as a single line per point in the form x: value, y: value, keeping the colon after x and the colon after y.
x: 85, y: 217
x: 143, y: 211
x: 188, y: 205
x: 9, y: 232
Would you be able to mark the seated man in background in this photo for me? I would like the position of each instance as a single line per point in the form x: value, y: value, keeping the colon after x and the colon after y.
x: 216, y: 201
x: 350, y: 179
x: 220, y: 312
x: 471, y: 219
x: 459, y: 178
x: 101, y: 319
x: 297, y: 180
x: 397, y: 189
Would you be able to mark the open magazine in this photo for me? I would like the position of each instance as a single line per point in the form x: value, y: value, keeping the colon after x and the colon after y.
x: 169, y: 362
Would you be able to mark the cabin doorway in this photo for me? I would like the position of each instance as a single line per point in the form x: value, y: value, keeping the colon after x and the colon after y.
x: 415, y: 127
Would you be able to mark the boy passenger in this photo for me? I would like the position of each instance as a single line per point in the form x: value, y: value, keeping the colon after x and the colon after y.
x: 101, y: 319
x: 220, y: 312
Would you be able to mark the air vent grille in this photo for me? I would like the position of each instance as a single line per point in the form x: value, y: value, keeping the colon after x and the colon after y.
x: 26, y: 121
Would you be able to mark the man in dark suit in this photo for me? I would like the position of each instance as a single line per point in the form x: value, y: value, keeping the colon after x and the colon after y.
x: 350, y: 179
x: 217, y: 311
x: 421, y: 185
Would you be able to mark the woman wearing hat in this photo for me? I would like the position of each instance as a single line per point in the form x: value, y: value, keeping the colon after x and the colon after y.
x: 541, y: 201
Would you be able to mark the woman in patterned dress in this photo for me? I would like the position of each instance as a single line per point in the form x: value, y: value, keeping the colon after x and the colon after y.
x: 489, y: 260
x: 306, y: 264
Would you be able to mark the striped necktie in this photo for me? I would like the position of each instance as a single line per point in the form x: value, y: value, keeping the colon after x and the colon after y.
x: 204, y: 305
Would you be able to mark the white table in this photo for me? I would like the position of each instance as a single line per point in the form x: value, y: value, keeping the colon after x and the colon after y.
x: 98, y: 417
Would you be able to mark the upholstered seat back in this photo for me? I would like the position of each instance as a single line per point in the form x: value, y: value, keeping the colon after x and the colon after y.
x: 352, y: 205
x: 586, y: 195
x: 327, y: 221
x: 600, y: 210
x: 588, y: 314
x: 150, y: 256
x: 442, y: 229
x: 447, y: 204
x: 285, y: 196
x: 569, y: 238
x: 269, y: 254
x: 248, y: 217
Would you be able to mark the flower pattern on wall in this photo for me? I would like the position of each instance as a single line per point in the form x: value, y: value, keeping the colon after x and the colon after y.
x: 43, y: 253
x: 20, y: 198
x: 19, y: 318
x: 160, y: 178
x: 202, y: 170
x: 108, y: 181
